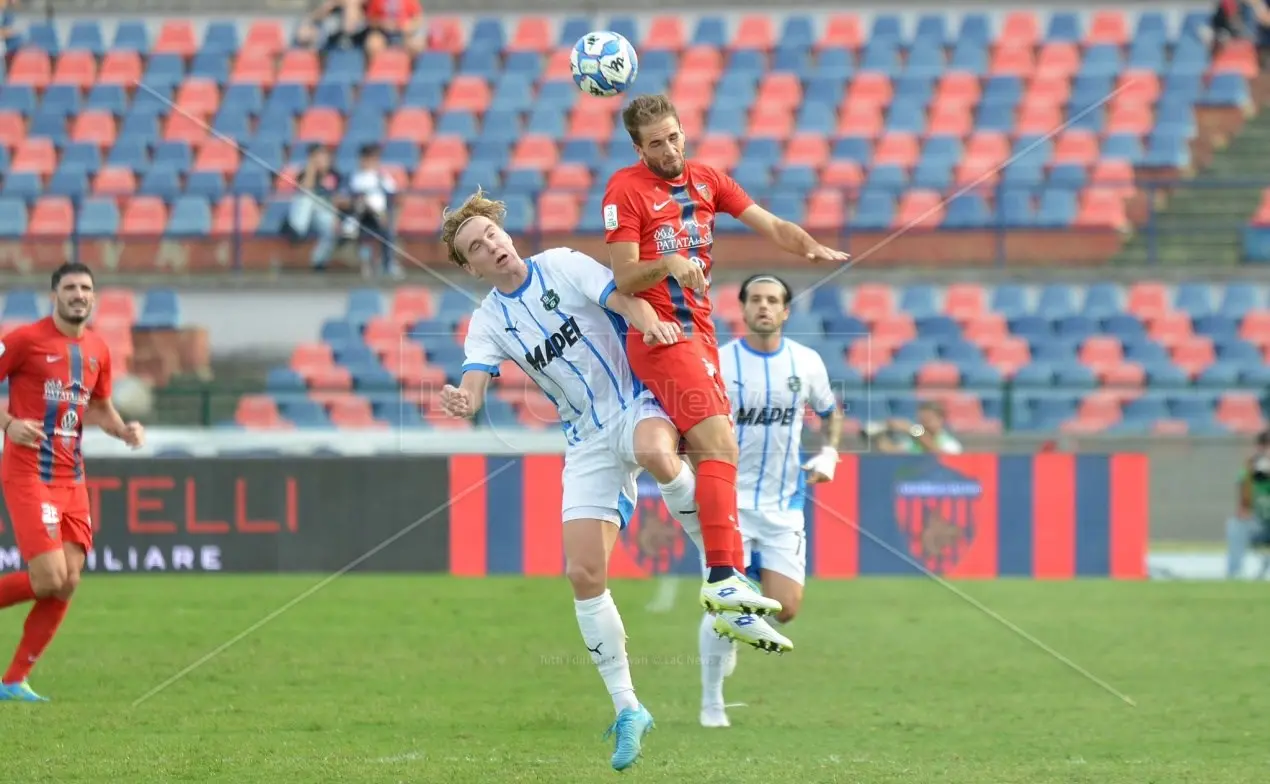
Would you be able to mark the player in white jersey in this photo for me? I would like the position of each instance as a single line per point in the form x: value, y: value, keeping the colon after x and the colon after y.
x: 771, y: 381
x: 559, y: 316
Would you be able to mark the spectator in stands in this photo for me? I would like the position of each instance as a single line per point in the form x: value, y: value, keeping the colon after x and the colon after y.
x: 1250, y: 527
x: 370, y: 192
x: 9, y: 31
x: 393, y: 23
x: 315, y: 206
x: 929, y: 434
x: 348, y: 30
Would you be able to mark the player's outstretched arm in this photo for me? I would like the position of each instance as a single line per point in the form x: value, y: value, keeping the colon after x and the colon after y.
x: 789, y: 237
x: 101, y: 412
x: 640, y: 315
x: 467, y: 398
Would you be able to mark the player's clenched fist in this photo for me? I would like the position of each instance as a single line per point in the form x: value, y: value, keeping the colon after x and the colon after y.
x: 663, y: 333
x: 688, y: 274
x: 25, y: 432
x: 134, y: 435
x: 456, y: 402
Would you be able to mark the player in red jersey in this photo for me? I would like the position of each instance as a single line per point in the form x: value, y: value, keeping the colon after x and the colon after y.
x: 659, y: 226
x: 59, y: 377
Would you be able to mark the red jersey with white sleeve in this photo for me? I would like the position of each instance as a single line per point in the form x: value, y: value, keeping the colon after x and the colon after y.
x: 668, y: 217
x: 52, y: 377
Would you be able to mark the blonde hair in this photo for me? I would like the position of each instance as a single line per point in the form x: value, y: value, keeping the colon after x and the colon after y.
x: 646, y: 110
x: 476, y: 206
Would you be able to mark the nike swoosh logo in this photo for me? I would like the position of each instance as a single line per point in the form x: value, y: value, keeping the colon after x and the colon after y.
x: 51, y: 360
x: 657, y: 207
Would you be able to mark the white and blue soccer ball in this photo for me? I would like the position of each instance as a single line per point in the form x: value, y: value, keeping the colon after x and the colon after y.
x: 604, y: 64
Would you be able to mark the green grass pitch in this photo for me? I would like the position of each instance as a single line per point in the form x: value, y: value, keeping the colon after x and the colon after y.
x: 435, y: 679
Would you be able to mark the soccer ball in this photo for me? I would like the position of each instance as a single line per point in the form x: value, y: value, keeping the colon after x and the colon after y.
x: 604, y: 64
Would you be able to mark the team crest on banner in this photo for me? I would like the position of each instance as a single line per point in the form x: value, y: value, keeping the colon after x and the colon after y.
x: 936, y: 507
x: 652, y: 538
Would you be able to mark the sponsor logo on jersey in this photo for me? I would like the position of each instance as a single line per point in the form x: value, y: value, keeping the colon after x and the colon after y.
x: 690, y: 234
x: 554, y: 346
x: 935, y: 508
x: 759, y: 416
x: 74, y: 393
x: 67, y: 426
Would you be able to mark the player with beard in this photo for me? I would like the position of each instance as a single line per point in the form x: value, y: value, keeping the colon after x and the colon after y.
x: 59, y: 377
x: 771, y: 381
x: 659, y: 225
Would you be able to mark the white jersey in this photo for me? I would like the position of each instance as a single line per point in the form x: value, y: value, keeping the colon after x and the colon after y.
x: 770, y: 393
x: 556, y: 328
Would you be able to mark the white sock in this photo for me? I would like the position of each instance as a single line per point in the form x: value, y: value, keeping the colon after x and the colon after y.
x: 714, y: 658
x: 680, y: 497
x: 605, y: 637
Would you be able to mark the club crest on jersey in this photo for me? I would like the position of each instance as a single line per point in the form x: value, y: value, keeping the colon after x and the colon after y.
x: 795, y: 384
x: 704, y: 190
x: 550, y: 300
x: 936, y: 509
x: 92, y: 364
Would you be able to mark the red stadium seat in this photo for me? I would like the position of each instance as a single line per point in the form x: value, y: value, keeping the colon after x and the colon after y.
x: 1108, y: 26
x: 872, y: 301
x: 780, y: 89
x: 919, y: 209
x: 321, y: 125
x: 955, y: 120
x: 980, y: 173
x: 558, y: 212
x: 12, y: 129
x: 115, y: 181
x: 863, y: 121
x: 869, y: 89
x: 665, y: 33
x: 53, y: 216
x: 1048, y: 91
x: 419, y: 214
x: 1021, y: 28
x: 299, y: 66
x: 1038, y: 120
x: 143, y: 217
x: 958, y: 88
x: 1058, y: 59
x: 807, y: 150
x: 412, y: 303
x: 1076, y: 146
x: 259, y: 412
x: 114, y: 304
x: 866, y: 356
x: 225, y: 223
x: 1114, y: 176
x: 842, y: 174
x: 588, y: 122
x: 1255, y: 328
x: 704, y: 60
x: 30, y: 68
x: 1011, y: 60
x: 1124, y: 374
x: 965, y: 301
x: 532, y: 34
x: 266, y: 37
x: 94, y: 127
x: 1101, y: 351
x: 354, y: 412
x: 719, y: 151
x: 449, y: 152
x: 391, y: 66
x: 217, y: 156
x: 842, y: 31
x: 1170, y: 329
x: 558, y: 67
x: 754, y: 31
x: 191, y: 129
x: 1194, y: 354
x: 1009, y: 355
x: 1137, y: 87
x: 897, y: 149
x: 939, y: 374
x: 770, y: 122
x: 384, y: 332
x: 122, y: 68
x: 411, y: 123
x: 253, y: 67
x: 1148, y: 300
x: 987, y: 329
x: 1101, y: 209
x: 535, y: 152
x: 176, y: 37
x: 37, y: 155
x: 1241, y: 412
x: 895, y: 329
x: 574, y: 177
x: 694, y: 94
x: 310, y: 355
x: 76, y: 68
x: 826, y: 211
x: 1238, y: 57
x: 1130, y: 119
x: 445, y: 34
x: 467, y: 94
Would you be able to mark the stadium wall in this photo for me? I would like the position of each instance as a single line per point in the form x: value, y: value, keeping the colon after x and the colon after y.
x: 1056, y: 516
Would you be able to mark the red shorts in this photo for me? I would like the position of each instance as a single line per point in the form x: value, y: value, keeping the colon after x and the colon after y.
x: 685, y: 379
x: 44, y: 516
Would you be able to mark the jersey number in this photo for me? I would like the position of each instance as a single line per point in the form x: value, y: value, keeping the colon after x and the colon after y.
x: 50, y: 517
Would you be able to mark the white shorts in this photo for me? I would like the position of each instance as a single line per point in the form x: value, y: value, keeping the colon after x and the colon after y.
x: 780, y: 539
x: 600, y: 471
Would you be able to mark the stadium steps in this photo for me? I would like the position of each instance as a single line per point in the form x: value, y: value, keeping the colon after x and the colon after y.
x: 1200, y: 224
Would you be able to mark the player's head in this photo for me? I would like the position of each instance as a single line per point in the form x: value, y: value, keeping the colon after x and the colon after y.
x: 764, y: 304
x: 73, y: 296
x: 930, y: 415
x: 473, y: 234
x: 653, y: 124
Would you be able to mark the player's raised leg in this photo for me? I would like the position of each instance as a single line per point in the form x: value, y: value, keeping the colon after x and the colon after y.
x: 588, y: 541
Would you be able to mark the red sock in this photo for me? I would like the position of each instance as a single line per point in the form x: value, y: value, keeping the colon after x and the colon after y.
x: 738, y: 551
x: 15, y: 588
x: 716, y: 506
x: 41, y: 625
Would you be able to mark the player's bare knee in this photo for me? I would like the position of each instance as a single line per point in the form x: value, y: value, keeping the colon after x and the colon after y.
x: 68, y: 588
x: 663, y: 466
x: 588, y: 579
x: 49, y: 582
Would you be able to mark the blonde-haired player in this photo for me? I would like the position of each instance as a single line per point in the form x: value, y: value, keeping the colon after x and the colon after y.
x: 559, y: 316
